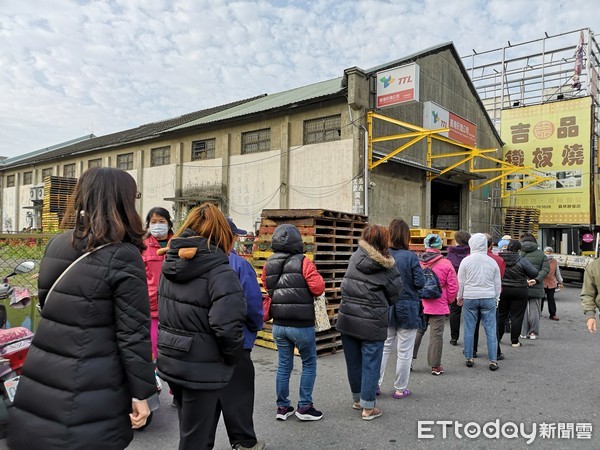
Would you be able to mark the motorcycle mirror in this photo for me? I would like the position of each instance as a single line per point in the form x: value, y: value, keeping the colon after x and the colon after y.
x: 24, y: 267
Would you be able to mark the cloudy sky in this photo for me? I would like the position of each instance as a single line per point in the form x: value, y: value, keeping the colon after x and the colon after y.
x: 75, y: 67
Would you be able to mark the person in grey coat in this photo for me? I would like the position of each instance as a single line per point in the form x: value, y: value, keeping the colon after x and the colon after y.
x: 519, y: 273
x: 531, y: 252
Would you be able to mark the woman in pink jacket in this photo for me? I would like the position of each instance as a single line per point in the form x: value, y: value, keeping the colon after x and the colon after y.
x: 160, y: 230
x: 436, y: 309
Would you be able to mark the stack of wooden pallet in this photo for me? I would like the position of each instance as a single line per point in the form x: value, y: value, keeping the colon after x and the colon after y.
x: 330, y: 238
x: 521, y: 220
x: 58, y: 193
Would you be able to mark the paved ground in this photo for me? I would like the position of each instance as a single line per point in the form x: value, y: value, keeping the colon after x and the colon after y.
x: 554, y: 380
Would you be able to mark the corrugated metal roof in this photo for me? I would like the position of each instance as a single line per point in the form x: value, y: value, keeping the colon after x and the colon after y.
x: 272, y: 101
x: 41, y: 151
x: 147, y: 131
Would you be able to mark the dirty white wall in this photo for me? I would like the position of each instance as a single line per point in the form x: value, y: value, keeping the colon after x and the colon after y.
x: 202, y: 173
x: 254, y: 182
x: 321, y: 176
x: 157, y: 183
x: 9, y: 200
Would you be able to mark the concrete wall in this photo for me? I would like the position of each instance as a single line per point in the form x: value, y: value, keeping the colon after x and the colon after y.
x: 321, y: 176
x: 9, y: 214
x: 396, y: 191
x: 202, y: 174
x: 254, y: 182
x: 159, y: 182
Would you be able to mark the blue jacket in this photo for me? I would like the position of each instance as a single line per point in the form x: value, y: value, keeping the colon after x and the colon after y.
x: 405, y: 313
x: 254, y: 314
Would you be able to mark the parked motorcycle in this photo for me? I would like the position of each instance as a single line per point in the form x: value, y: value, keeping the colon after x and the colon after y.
x: 14, y: 341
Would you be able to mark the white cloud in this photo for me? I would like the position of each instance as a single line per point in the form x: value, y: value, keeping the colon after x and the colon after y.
x: 117, y: 64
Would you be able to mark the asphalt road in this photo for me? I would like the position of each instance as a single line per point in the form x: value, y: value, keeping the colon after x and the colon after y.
x: 553, y: 380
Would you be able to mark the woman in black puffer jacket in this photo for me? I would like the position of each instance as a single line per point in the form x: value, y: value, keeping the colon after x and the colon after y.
x: 91, y: 353
x: 513, y: 299
x: 201, y: 312
x: 370, y: 286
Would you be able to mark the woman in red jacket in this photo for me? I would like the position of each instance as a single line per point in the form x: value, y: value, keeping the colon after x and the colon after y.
x: 159, y: 231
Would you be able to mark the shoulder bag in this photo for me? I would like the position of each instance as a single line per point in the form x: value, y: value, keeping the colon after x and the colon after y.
x: 322, y: 322
x: 70, y: 267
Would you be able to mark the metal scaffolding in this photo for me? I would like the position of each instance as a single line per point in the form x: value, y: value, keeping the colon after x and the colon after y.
x: 553, y: 68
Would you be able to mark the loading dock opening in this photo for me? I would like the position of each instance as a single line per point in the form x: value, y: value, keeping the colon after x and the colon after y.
x: 445, y: 205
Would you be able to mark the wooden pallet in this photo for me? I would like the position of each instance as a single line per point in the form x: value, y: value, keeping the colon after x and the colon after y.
x: 329, y: 238
x: 328, y: 342
x: 518, y: 220
x: 58, y: 196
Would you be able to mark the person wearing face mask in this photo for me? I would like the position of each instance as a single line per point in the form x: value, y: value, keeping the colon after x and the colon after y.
x: 159, y: 226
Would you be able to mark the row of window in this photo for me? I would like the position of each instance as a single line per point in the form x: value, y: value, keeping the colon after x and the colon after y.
x: 324, y: 129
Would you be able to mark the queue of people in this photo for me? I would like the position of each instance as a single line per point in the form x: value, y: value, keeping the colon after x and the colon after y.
x: 184, y: 304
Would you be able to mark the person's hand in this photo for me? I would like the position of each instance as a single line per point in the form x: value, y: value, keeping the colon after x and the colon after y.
x: 459, y: 301
x: 561, y: 286
x: 140, y: 413
x: 531, y: 282
x: 591, y: 324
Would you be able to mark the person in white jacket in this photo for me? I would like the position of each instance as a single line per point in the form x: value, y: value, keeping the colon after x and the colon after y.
x: 479, y: 291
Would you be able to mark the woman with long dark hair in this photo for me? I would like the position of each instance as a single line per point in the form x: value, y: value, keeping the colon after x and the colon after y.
x: 159, y: 230
x: 405, y: 316
x: 370, y: 286
x: 201, y: 310
x: 89, y: 379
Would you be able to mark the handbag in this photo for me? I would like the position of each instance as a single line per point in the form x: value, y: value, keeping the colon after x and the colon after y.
x: 266, y: 303
x: 322, y: 322
x: 70, y: 267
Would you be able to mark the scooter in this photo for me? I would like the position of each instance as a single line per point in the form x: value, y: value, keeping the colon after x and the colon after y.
x: 14, y: 341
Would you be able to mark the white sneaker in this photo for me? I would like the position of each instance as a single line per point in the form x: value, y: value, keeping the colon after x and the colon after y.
x: 524, y: 337
x: 533, y: 336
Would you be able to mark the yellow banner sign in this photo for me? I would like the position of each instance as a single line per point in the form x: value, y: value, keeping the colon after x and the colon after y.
x: 553, y: 139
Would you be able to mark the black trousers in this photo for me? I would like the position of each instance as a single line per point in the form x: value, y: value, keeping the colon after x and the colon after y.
x: 236, y: 402
x: 455, y: 313
x: 198, y: 416
x: 551, y: 301
x: 513, y: 303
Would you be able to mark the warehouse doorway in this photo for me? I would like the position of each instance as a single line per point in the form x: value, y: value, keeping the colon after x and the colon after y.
x: 445, y: 205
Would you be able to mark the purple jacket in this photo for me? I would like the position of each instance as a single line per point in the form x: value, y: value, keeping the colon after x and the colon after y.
x: 456, y: 254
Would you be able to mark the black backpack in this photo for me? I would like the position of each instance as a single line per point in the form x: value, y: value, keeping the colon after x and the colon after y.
x: 432, y: 288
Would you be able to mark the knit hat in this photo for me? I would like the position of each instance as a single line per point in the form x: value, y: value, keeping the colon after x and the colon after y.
x: 433, y: 241
x: 503, y: 243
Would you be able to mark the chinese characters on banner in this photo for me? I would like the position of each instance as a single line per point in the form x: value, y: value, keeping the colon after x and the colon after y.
x: 461, y: 130
x: 398, y: 85
x: 554, y: 139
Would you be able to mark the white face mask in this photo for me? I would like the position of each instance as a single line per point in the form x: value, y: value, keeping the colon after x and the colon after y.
x: 159, y: 229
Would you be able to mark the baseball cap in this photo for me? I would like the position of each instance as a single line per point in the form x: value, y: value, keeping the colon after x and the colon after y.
x: 235, y: 229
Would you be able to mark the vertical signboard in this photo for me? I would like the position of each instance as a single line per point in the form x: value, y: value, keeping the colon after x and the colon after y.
x: 398, y: 85
x: 461, y: 130
x: 554, y: 139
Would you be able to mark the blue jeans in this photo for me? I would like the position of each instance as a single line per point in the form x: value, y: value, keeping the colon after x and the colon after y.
x: 363, y: 361
x: 304, y: 339
x: 471, y: 310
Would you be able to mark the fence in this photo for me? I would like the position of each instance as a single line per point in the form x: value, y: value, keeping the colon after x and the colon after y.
x: 14, y: 249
